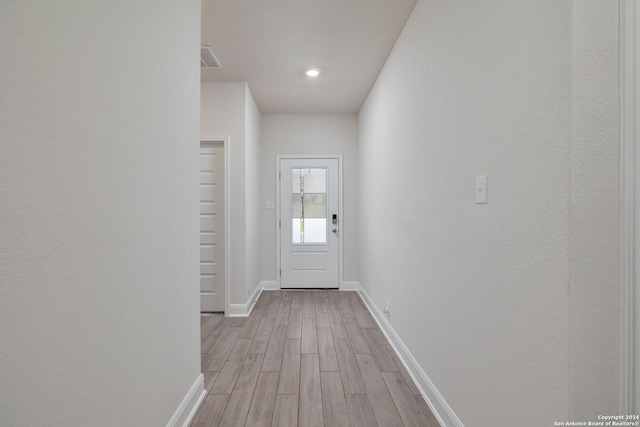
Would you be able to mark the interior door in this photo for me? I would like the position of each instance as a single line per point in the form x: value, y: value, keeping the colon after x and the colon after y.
x: 212, y: 236
x: 309, y: 223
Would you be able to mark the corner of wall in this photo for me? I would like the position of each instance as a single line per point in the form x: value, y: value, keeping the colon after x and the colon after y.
x: 245, y: 309
x: 189, y: 406
x: 253, y: 198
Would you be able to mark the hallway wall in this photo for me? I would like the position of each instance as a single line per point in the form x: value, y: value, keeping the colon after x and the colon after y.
x: 228, y: 109
x: 594, y: 224
x: 99, y: 244
x: 509, y: 307
x: 253, y: 132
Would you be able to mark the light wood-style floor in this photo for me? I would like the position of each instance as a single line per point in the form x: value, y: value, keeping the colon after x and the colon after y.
x: 305, y: 358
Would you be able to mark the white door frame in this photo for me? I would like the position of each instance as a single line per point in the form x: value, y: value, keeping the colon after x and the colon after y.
x: 629, y: 207
x: 223, y: 141
x: 340, y: 210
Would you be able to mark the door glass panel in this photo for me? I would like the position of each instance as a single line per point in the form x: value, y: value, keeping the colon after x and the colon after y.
x: 309, y: 205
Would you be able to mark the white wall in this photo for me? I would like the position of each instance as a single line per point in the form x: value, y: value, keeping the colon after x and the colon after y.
x: 253, y: 205
x: 594, y: 298
x: 309, y: 134
x: 99, y: 206
x: 228, y: 109
x: 484, y: 296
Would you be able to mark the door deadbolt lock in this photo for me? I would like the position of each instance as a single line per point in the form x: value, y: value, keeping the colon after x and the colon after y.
x: 334, y: 219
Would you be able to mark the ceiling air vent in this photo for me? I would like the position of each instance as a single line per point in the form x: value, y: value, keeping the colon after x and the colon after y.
x: 208, y: 59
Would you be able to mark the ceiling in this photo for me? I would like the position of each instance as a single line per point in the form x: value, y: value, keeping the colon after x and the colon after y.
x: 271, y: 43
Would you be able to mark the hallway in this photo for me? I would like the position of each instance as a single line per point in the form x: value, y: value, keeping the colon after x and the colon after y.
x: 309, y: 358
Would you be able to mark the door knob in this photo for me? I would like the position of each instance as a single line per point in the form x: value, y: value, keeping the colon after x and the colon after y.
x: 335, y: 230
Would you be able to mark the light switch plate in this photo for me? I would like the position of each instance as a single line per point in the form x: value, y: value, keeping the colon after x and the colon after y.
x: 481, y: 189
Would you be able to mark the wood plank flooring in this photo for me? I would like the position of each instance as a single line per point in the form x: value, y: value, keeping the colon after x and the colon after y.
x: 305, y: 358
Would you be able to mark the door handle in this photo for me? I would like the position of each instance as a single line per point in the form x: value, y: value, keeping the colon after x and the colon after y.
x: 335, y: 230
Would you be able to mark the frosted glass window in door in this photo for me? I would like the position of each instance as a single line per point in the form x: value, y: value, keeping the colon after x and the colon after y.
x: 309, y: 205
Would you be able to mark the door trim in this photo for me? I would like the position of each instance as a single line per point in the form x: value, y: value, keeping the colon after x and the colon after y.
x: 340, y: 210
x: 223, y: 141
x: 629, y: 207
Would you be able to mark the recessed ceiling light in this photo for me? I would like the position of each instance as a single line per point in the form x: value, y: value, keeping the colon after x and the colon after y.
x: 313, y: 72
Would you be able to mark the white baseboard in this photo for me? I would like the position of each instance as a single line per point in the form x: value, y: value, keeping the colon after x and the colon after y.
x: 432, y: 396
x: 189, y: 405
x: 350, y: 286
x: 269, y: 285
x: 244, y: 310
x: 253, y: 298
x: 236, y: 310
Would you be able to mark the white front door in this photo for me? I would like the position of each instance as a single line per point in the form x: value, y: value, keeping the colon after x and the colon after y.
x: 309, y: 223
x: 212, y: 227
